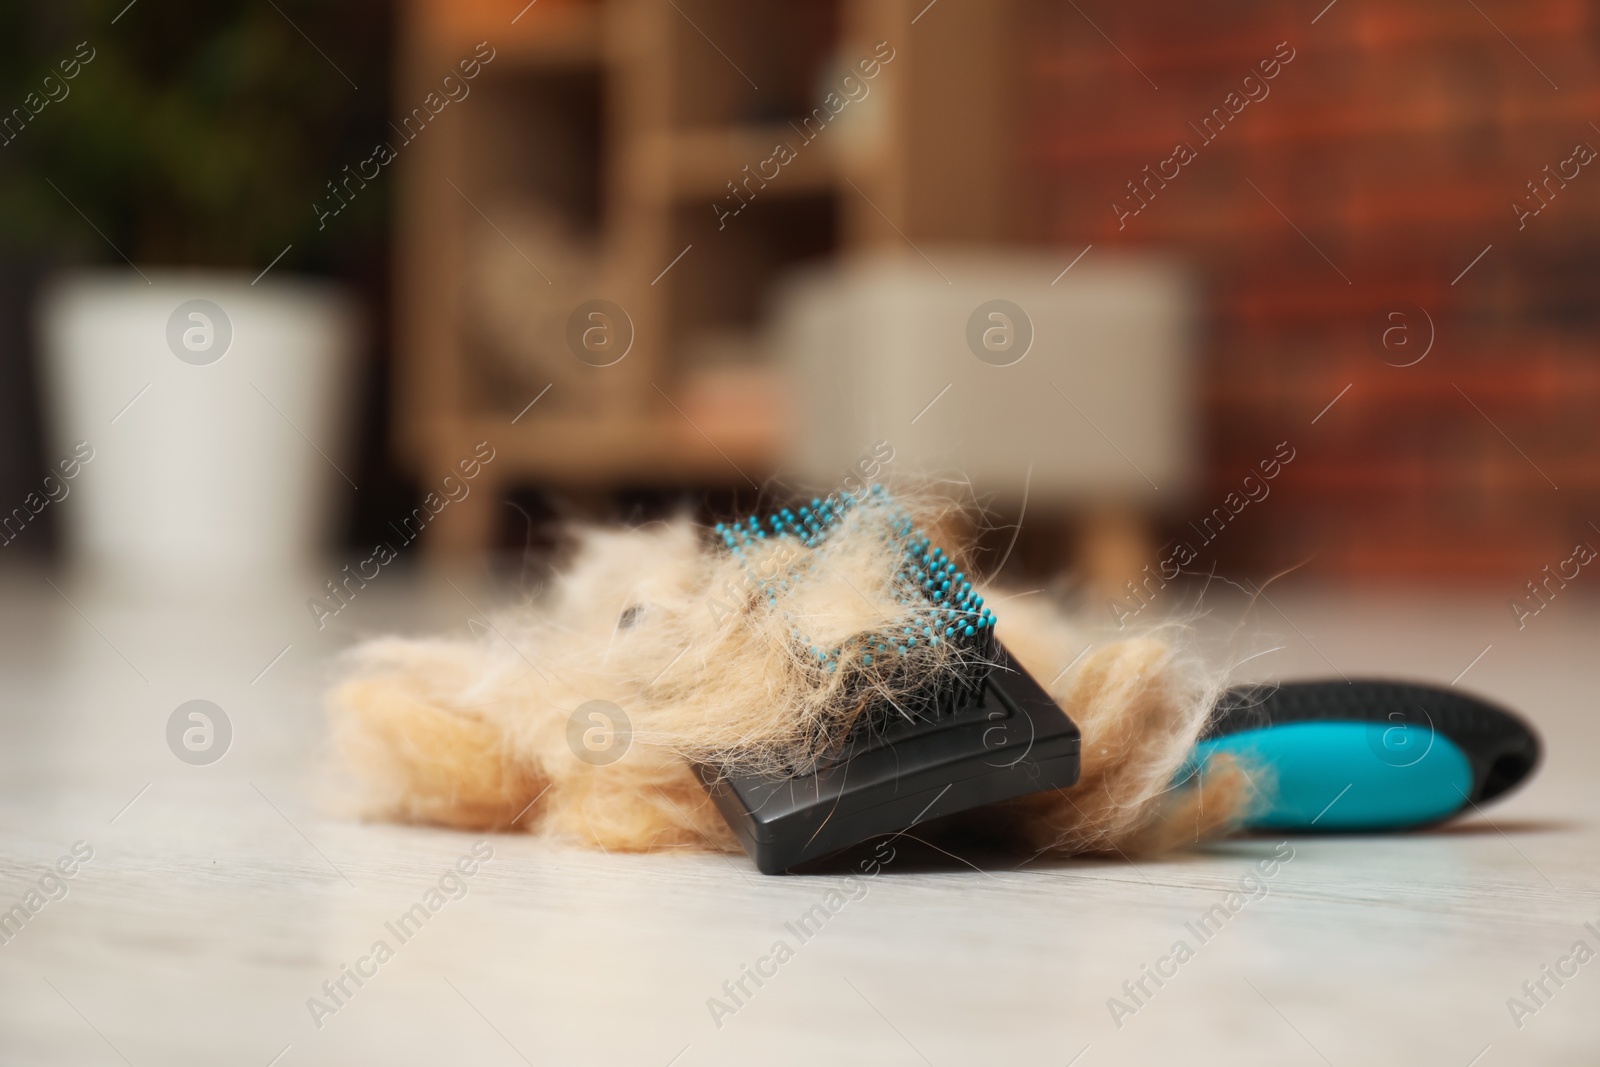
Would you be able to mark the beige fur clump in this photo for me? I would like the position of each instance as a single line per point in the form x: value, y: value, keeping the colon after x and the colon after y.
x: 712, y: 657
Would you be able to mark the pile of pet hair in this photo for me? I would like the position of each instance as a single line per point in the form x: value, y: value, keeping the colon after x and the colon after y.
x: 710, y: 656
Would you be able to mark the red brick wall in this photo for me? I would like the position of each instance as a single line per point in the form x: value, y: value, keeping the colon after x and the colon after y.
x: 1396, y: 140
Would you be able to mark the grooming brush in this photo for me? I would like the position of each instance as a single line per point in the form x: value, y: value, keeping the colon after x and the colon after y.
x: 1366, y: 755
x: 980, y: 731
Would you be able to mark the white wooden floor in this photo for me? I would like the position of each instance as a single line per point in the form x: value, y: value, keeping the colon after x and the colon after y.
x: 218, y: 899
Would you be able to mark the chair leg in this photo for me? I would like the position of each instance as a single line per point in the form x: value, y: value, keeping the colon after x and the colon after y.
x: 466, y: 527
x: 1115, y: 542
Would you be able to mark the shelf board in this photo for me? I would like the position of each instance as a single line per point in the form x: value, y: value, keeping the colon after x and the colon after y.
x: 545, y: 33
x: 713, y: 427
x: 698, y: 163
x: 575, y: 449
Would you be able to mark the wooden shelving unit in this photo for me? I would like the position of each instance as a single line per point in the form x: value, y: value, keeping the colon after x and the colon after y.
x: 585, y: 164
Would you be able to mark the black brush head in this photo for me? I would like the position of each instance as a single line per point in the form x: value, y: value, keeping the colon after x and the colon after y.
x: 926, y: 742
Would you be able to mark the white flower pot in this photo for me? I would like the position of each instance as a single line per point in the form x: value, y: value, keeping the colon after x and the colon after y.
x: 217, y: 431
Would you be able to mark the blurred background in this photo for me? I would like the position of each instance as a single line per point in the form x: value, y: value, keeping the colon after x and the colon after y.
x: 1230, y: 291
x: 320, y: 318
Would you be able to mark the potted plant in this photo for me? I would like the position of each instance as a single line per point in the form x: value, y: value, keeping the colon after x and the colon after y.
x: 159, y: 164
